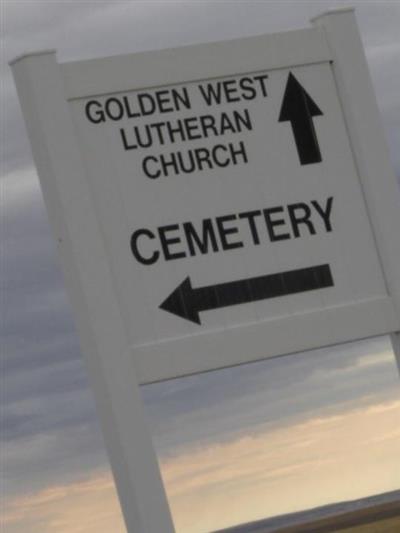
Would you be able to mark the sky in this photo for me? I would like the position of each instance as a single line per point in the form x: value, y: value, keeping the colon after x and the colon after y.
x: 262, y: 439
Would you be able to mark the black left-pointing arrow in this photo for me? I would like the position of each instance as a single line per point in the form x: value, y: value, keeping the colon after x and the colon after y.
x: 299, y: 108
x: 187, y: 302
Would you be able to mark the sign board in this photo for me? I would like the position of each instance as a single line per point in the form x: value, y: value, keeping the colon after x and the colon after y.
x: 228, y: 201
x: 214, y: 205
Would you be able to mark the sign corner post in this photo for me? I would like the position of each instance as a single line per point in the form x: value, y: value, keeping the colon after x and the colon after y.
x: 367, y: 139
x: 395, y: 342
x: 105, y: 344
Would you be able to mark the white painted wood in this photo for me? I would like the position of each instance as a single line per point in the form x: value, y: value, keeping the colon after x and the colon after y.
x: 367, y: 139
x: 86, y: 266
x: 395, y: 341
x: 125, y: 200
x: 195, y: 62
x: 252, y: 342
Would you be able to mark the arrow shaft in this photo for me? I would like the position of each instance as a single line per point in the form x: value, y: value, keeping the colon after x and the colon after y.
x: 306, y: 139
x: 262, y: 287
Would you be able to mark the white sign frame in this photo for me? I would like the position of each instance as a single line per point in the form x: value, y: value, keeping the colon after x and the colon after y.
x: 44, y: 87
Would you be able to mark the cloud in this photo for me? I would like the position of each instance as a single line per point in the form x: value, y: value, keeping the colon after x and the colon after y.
x: 259, y: 475
x: 85, y: 506
x: 46, y: 457
x: 277, y: 392
x: 254, y: 476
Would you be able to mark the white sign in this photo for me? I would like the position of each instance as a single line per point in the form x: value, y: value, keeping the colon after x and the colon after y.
x: 228, y: 201
x: 213, y: 205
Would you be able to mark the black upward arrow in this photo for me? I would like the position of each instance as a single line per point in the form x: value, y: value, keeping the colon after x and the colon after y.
x: 298, y: 108
x: 187, y: 302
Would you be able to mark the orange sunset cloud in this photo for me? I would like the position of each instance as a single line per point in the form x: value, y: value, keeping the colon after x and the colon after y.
x: 313, y: 462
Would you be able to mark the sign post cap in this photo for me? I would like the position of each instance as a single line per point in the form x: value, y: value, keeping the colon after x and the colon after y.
x: 30, y: 54
x: 330, y: 12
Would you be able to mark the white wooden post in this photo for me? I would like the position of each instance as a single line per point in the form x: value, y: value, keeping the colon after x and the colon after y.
x: 395, y: 340
x: 103, y: 339
x: 367, y: 138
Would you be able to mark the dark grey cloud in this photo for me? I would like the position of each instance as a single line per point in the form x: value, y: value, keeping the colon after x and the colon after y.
x: 49, y: 427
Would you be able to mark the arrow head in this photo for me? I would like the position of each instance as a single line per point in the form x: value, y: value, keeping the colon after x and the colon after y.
x: 295, y: 100
x: 181, y: 302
